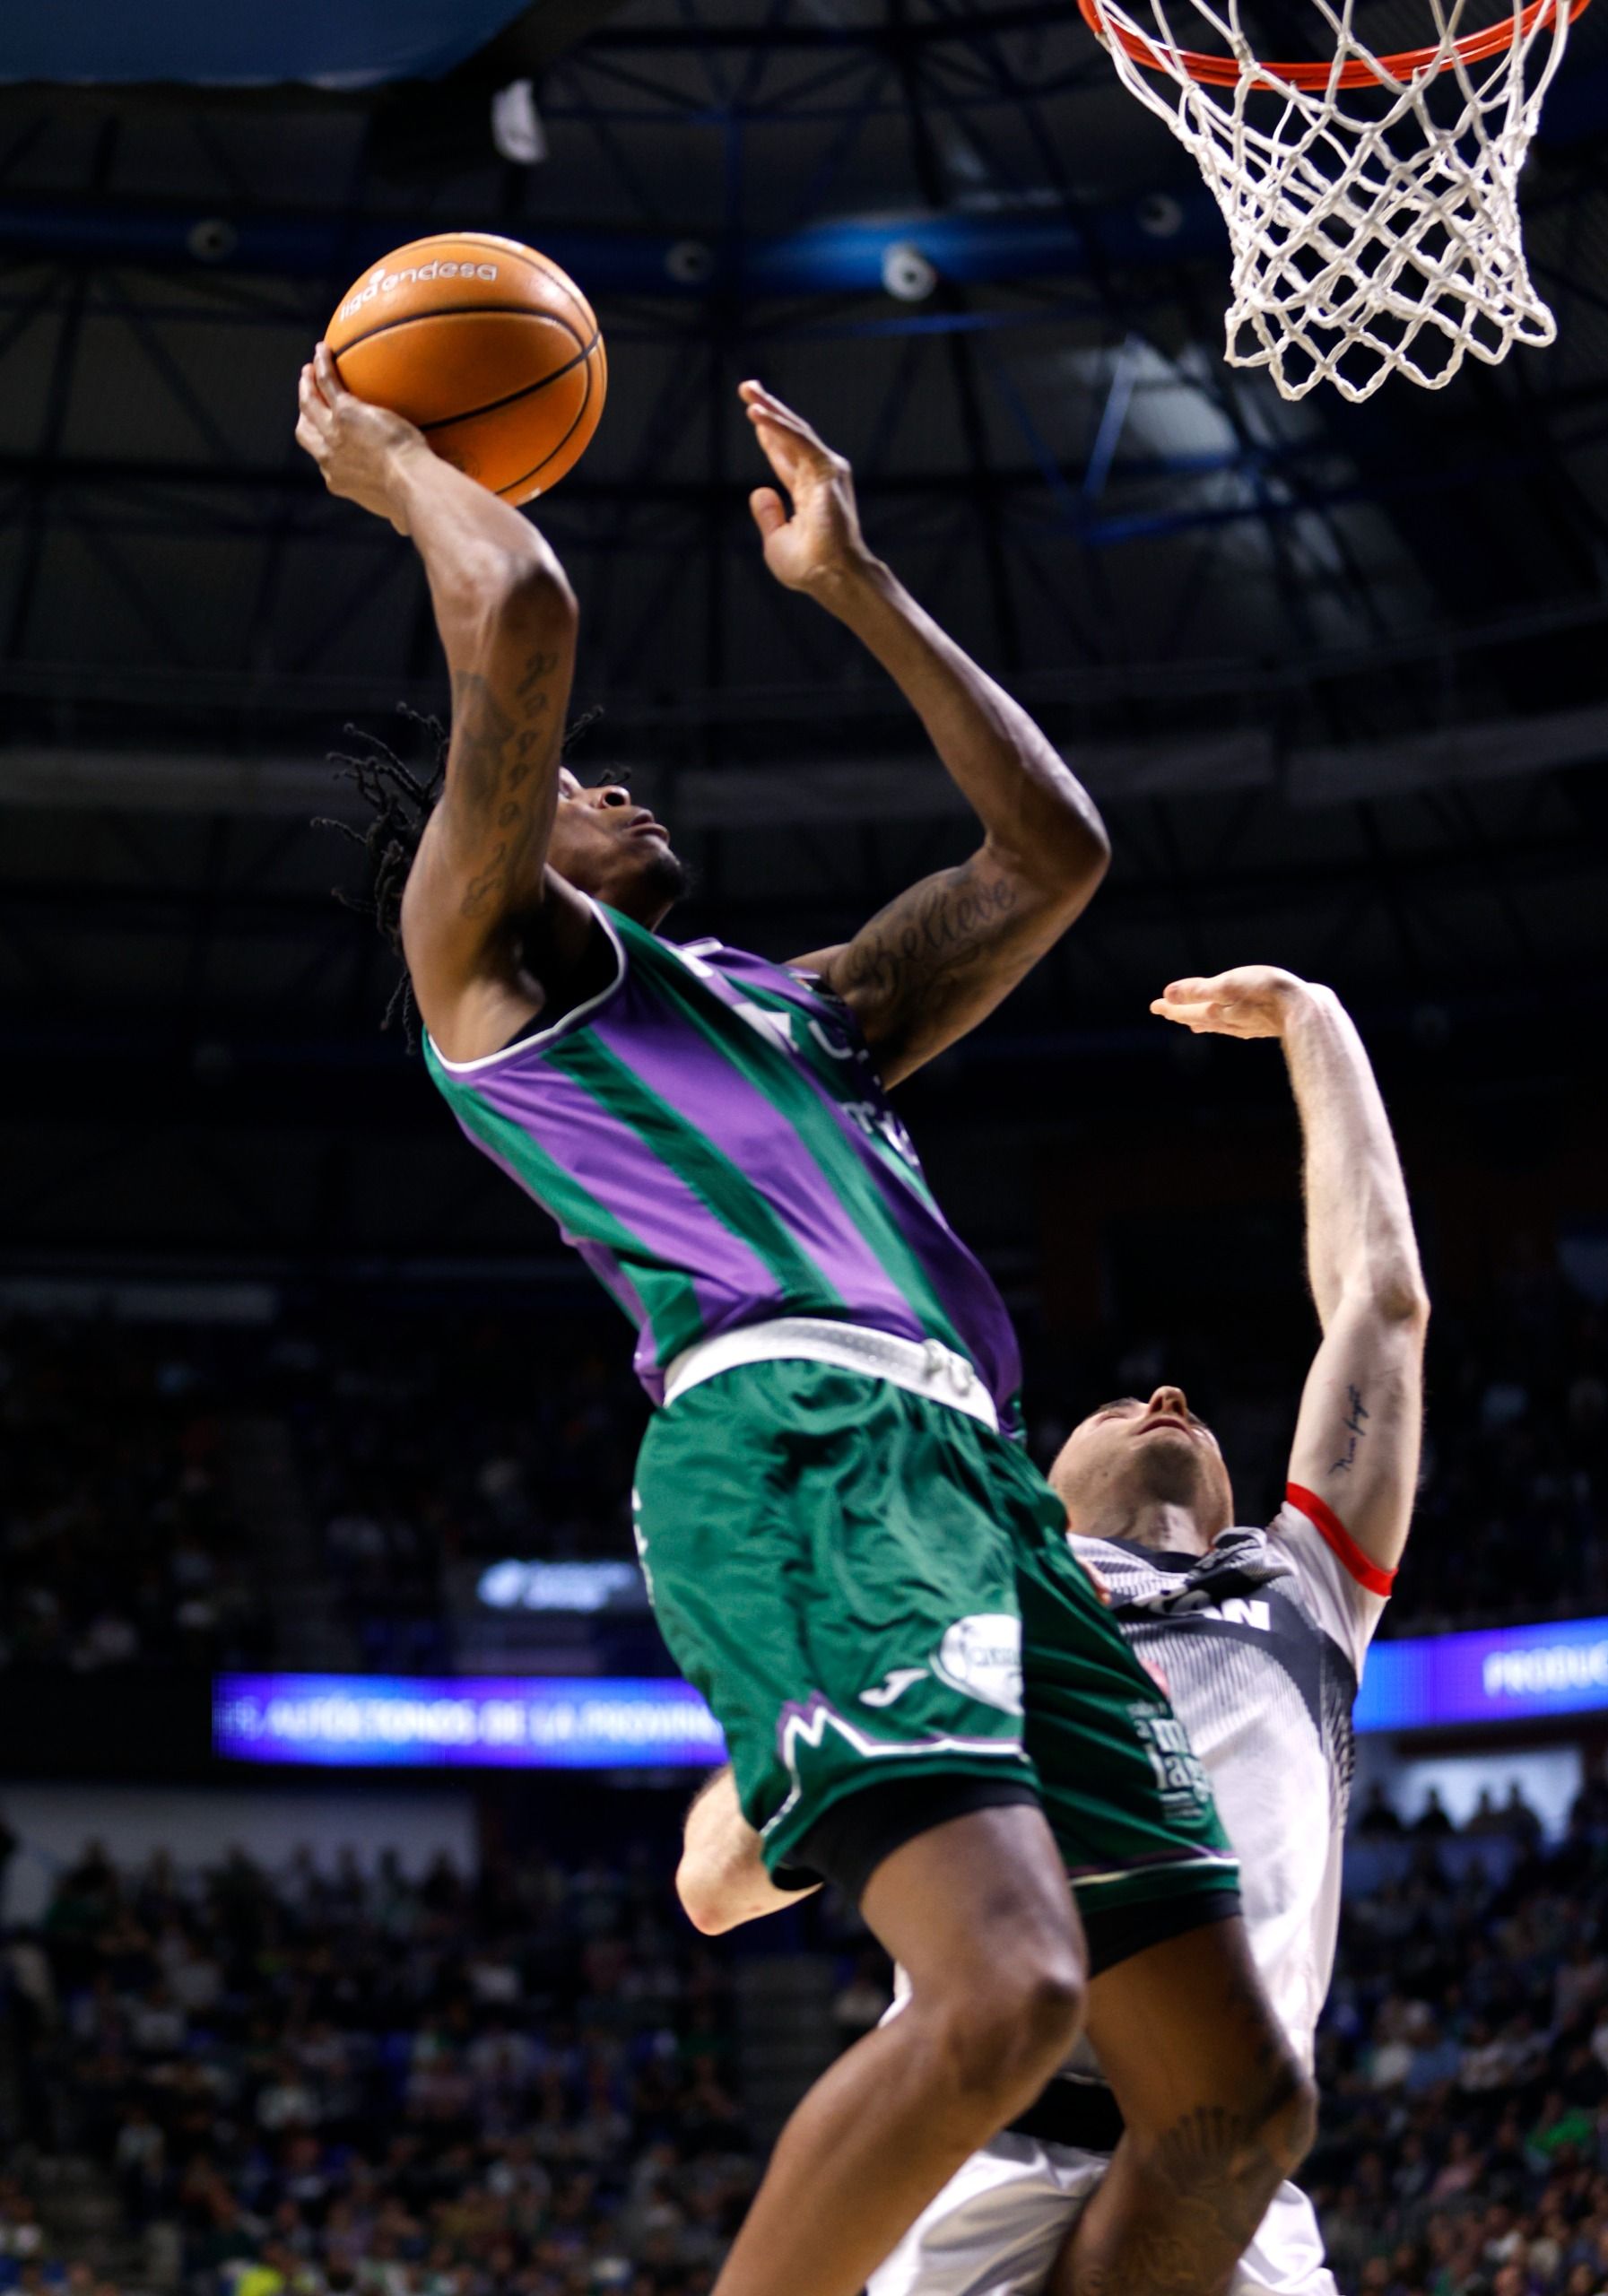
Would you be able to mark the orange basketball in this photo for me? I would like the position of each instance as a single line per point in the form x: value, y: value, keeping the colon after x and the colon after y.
x: 492, y: 350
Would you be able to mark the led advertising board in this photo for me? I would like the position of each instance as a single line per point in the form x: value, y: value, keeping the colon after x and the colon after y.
x: 1509, y: 1674
x: 465, y: 1721
x: 639, y: 1722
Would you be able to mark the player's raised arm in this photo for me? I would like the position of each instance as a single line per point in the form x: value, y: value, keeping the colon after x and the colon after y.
x: 1357, y: 1439
x: 508, y: 620
x: 936, y: 960
x: 721, y: 1879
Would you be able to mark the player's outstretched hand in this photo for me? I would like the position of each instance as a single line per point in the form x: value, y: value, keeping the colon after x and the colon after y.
x: 820, y: 539
x: 356, y: 445
x: 1251, y: 1001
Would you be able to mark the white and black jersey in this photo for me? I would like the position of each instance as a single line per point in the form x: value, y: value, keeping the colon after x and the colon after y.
x: 1260, y: 1646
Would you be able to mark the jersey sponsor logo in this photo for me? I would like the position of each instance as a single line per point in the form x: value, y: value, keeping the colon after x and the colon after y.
x: 893, y: 1686
x: 1235, y: 1610
x: 981, y: 1656
x: 878, y: 1122
x: 873, y: 1117
x: 1180, y: 1775
x: 838, y: 1045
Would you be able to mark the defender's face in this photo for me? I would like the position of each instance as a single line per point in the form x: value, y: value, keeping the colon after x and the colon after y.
x: 614, y: 849
x: 1128, y: 1452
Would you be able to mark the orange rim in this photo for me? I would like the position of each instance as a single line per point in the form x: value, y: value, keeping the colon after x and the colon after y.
x: 1223, y: 71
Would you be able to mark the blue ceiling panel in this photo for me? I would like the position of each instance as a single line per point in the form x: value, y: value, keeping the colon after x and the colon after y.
x: 328, y: 43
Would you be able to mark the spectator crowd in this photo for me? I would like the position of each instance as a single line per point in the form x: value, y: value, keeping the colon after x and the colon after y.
x: 316, y: 2082
x: 446, y: 1435
x: 308, y: 2083
x: 528, y: 2086
x: 1464, y: 2062
x: 118, y: 1541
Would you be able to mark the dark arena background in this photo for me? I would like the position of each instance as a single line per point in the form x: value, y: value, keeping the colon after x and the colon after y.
x: 344, y: 1767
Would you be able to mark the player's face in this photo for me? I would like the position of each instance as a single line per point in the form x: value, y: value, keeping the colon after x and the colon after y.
x: 614, y: 849
x: 1131, y: 1452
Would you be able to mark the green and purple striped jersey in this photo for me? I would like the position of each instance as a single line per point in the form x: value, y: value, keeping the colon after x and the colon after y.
x: 711, y: 1135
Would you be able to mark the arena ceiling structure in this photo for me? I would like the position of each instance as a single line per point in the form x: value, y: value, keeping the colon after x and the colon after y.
x: 1336, y: 674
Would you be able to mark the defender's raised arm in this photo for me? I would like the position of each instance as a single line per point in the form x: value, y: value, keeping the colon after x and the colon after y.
x: 939, y: 959
x: 721, y: 1879
x: 1356, y: 1439
x: 508, y: 622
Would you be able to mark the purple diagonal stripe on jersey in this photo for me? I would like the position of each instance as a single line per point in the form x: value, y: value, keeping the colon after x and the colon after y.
x: 981, y: 1320
x: 975, y: 1308
x: 608, y: 1160
x: 692, y: 1076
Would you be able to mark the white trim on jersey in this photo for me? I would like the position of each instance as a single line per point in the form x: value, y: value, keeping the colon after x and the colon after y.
x: 810, y: 1722
x: 562, y: 1025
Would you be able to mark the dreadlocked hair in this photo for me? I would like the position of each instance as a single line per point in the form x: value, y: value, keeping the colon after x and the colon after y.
x: 401, y: 801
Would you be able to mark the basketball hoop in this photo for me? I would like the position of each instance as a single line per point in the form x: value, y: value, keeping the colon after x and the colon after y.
x: 1371, y: 200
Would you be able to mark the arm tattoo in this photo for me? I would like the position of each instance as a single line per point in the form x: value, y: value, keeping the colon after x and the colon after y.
x: 495, y: 752
x: 1352, y: 1425
x: 923, y: 952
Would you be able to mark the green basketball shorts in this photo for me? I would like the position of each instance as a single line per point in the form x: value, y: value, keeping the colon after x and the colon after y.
x: 868, y: 1587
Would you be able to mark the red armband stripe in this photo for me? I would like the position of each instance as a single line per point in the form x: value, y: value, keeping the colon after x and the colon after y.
x: 1339, y: 1540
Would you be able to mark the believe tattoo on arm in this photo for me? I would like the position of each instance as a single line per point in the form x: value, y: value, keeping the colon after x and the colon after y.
x: 922, y: 963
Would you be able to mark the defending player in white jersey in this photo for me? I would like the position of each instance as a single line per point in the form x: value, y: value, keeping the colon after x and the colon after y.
x: 1259, y: 1636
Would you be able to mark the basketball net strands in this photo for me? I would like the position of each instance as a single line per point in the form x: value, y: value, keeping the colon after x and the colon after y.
x: 1371, y: 200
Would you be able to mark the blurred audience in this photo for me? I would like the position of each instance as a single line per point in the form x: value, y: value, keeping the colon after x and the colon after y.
x: 428, y: 1441
x: 119, y: 1538
x: 1464, y: 2060
x: 418, y: 2086
x: 452, y: 1439
x: 524, y: 2085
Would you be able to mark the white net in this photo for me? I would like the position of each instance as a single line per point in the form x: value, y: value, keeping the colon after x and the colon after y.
x: 1374, y: 227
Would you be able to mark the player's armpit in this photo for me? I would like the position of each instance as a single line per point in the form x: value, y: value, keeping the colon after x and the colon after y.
x: 939, y: 957
x: 721, y: 1879
x: 1358, y: 1436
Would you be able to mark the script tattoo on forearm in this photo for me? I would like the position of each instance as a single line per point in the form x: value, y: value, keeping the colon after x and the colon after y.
x: 923, y: 951
x: 1352, y: 1425
x: 496, y: 751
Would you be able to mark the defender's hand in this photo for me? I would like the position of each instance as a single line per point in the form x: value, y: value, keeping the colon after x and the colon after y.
x: 821, y: 539
x: 357, y: 447
x: 1251, y: 1001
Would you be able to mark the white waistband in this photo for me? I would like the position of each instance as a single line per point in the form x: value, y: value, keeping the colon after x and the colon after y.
x: 924, y: 1366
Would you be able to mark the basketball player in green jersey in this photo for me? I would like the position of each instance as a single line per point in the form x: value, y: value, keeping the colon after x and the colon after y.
x: 849, y: 1550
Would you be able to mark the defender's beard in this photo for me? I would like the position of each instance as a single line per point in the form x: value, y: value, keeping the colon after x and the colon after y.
x: 1170, y: 1470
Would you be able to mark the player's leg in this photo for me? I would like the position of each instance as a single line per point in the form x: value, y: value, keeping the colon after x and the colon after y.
x: 1217, y: 2109
x: 1218, y: 2113
x: 827, y: 1566
x: 978, y: 1914
x: 999, y: 2225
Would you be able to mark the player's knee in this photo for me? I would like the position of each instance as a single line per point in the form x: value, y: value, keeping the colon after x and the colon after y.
x: 1006, y: 2030
x: 1290, y: 2120
x: 1263, y: 2141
